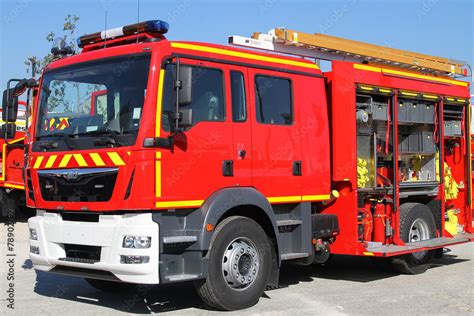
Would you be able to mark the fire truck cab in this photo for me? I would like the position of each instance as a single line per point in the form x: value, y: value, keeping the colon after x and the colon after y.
x: 214, y: 164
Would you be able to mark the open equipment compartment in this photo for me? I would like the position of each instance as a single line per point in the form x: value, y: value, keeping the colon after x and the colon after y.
x: 456, y: 143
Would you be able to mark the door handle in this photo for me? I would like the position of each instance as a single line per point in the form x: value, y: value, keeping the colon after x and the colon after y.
x: 297, y: 170
x: 242, y: 153
x: 228, y: 168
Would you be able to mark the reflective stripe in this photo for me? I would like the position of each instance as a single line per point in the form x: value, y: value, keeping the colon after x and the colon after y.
x: 38, y: 162
x: 279, y: 199
x: 14, y: 186
x: 51, y: 161
x: 80, y: 160
x: 296, y: 198
x: 97, y: 159
x: 158, y: 178
x: 158, y: 103
x: 409, y: 74
x: 226, y: 52
x: 116, y: 159
x: 323, y: 197
x: 276, y: 199
x: 65, y: 161
x: 171, y: 204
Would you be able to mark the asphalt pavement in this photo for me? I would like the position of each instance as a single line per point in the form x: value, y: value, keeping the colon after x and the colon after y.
x: 345, y: 285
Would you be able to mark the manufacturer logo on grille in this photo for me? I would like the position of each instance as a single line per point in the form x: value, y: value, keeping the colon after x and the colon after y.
x: 72, y: 174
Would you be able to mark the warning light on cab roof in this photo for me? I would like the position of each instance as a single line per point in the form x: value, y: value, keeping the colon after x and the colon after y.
x: 151, y: 27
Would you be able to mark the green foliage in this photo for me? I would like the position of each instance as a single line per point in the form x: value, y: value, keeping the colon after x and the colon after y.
x: 58, y: 88
x: 68, y: 34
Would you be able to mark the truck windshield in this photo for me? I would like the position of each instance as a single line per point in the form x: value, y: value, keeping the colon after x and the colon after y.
x: 94, y: 99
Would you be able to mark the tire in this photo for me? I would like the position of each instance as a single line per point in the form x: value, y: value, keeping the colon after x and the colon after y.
x: 27, y: 212
x: 223, y: 288
x: 110, y: 286
x: 416, y: 223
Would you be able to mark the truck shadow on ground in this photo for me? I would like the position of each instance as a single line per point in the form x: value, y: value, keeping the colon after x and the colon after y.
x: 175, y: 297
x: 350, y: 268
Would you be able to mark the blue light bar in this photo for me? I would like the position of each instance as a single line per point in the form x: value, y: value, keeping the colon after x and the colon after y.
x: 154, y: 27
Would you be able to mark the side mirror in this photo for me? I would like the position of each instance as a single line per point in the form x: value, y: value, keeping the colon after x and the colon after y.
x: 185, y: 118
x: 9, y: 106
x: 185, y: 92
x: 8, y: 130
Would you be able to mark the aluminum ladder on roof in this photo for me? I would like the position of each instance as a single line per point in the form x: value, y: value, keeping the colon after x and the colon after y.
x: 326, y: 47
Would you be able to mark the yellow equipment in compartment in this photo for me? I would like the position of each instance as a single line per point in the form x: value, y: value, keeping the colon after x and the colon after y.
x: 451, y: 225
x: 450, y: 185
x: 362, y: 173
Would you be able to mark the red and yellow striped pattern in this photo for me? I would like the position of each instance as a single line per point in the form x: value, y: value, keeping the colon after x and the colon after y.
x: 81, y: 160
x: 57, y: 123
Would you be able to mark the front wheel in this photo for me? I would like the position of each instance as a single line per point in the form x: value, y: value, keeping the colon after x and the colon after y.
x: 416, y: 224
x: 239, y: 265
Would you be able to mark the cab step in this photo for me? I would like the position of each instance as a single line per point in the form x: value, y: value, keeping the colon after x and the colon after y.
x: 179, y: 239
x: 289, y: 222
x: 290, y: 256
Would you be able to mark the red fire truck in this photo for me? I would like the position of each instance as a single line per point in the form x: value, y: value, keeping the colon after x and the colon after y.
x: 216, y: 164
x: 12, y: 157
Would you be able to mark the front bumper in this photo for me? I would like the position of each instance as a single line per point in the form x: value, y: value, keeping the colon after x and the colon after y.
x: 107, y: 234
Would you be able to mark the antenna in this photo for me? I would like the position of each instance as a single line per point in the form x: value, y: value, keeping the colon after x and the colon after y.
x: 138, y: 18
x: 105, y: 29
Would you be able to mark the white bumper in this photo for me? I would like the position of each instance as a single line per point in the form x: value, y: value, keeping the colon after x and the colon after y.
x: 108, y: 233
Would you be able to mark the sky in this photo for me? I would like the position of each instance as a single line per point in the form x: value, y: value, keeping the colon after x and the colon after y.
x: 437, y: 27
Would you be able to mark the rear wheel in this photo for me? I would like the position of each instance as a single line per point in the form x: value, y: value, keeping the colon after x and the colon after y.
x: 416, y: 224
x: 110, y: 286
x: 239, y: 265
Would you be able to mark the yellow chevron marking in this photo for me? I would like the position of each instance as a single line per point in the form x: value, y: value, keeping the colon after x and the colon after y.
x: 116, y: 159
x: 38, y: 162
x: 80, y: 160
x: 51, y: 161
x: 65, y: 161
x: 97, y: 159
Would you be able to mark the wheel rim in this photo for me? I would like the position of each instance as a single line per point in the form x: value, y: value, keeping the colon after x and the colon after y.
x: 419, y: 231
x: 240, y: 263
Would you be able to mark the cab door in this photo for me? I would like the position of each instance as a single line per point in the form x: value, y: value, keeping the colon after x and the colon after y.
x: 193, y: 168
x: 276, y: 144
x: 238, y: 100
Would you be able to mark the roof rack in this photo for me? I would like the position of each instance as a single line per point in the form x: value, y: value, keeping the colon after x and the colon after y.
x: 326, y: 47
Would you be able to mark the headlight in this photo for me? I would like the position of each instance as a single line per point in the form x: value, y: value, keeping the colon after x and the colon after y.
x: 33, y: 235
x: 139, y: 242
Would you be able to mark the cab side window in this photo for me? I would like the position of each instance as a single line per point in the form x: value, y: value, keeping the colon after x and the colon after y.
x: 274, y: 100
x: 207, y: 95
x: 239, y: 106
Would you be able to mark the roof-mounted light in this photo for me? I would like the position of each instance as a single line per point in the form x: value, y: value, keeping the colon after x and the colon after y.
x: 154, y: 27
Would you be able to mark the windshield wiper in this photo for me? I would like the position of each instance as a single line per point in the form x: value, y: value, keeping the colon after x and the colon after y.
x: 111, y: 134
x: 66, y: 138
